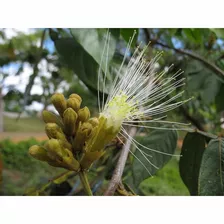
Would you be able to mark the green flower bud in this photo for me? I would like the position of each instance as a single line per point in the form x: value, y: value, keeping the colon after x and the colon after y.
x: 102, y: 135
x: 54, y: 149
x: 50, y: 117
x: 84, y: 114
x: 70, y: 162
x: 76, y: 96
x: 69, y: 119
x: 52, y: 129
x: 94, y: 121
x: 38, y: 152
x: 74, y: 103
x: 65, y: 144
x: 59, y: 103
x: 83, y: 133
x: 60, y: 157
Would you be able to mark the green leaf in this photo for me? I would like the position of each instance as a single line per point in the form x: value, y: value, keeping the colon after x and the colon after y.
x: 83, y: 51
x: 189, y: 34
x: 210, y: 88
x: 190, y: 160
x: 212, y: 169
x: 93, y: 41
x: 219, y: 99
x: 161, y: 140
x: 219, y: 32
x: 194, y: 35
x: 127, y: 33
x: 204, y: 82
x: 197, y: 34
x: 76, y: 58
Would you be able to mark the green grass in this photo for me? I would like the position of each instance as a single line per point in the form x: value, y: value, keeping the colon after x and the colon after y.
x: 32, y: 124
x: 20, y: 170
x: 166, y: 182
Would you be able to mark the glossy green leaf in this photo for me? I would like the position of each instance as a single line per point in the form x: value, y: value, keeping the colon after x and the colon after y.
x: 76, y: 58
x: 93, y: 41
x: 211, y: 177
x: 219, y: 100
x: 163, y: 141
x: 190, y: 160
x: 82, y: 52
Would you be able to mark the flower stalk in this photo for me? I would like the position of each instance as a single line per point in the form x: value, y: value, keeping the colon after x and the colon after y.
x: 85, y: 183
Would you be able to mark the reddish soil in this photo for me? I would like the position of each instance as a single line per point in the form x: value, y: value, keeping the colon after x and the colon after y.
x: 16, y: 137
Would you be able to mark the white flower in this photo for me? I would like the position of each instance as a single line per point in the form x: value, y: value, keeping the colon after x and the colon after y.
x: 138, y: 94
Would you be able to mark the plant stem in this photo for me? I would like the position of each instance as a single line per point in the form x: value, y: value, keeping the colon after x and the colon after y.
x: 85, y: 183
x: 117, y: 174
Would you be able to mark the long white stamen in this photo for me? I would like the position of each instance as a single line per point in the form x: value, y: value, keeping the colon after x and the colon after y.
x: 159, y: 128
x: 106, y: 69
x: 131, y: 139
x: 153, y: 150
x: 99, y: 73
x: 136, y: 157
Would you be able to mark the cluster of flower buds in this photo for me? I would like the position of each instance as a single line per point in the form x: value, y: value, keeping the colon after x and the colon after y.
x: 71, y: 135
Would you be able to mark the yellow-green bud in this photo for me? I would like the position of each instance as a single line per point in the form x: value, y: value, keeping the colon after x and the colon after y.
x: 38, y: 152
x: 61, y: 136
x: 102, y: 135
x: 52, y: 129
x: 69, y: 119
x: 76, y: 96
x: 50, y: 117
x: 65, y: 144
x: 70, y: 162
x: 59, y: 103
x: 74, y: 103
x: 83, y: 133
x: 84, y: 114
x: 54, y: 149
x: 67, y: 161
x: 94, y: 121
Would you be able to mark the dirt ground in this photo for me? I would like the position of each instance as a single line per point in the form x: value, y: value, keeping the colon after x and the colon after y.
x: 17, y: 137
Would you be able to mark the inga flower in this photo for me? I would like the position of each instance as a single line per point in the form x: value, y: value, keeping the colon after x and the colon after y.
x: 136, y: 96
